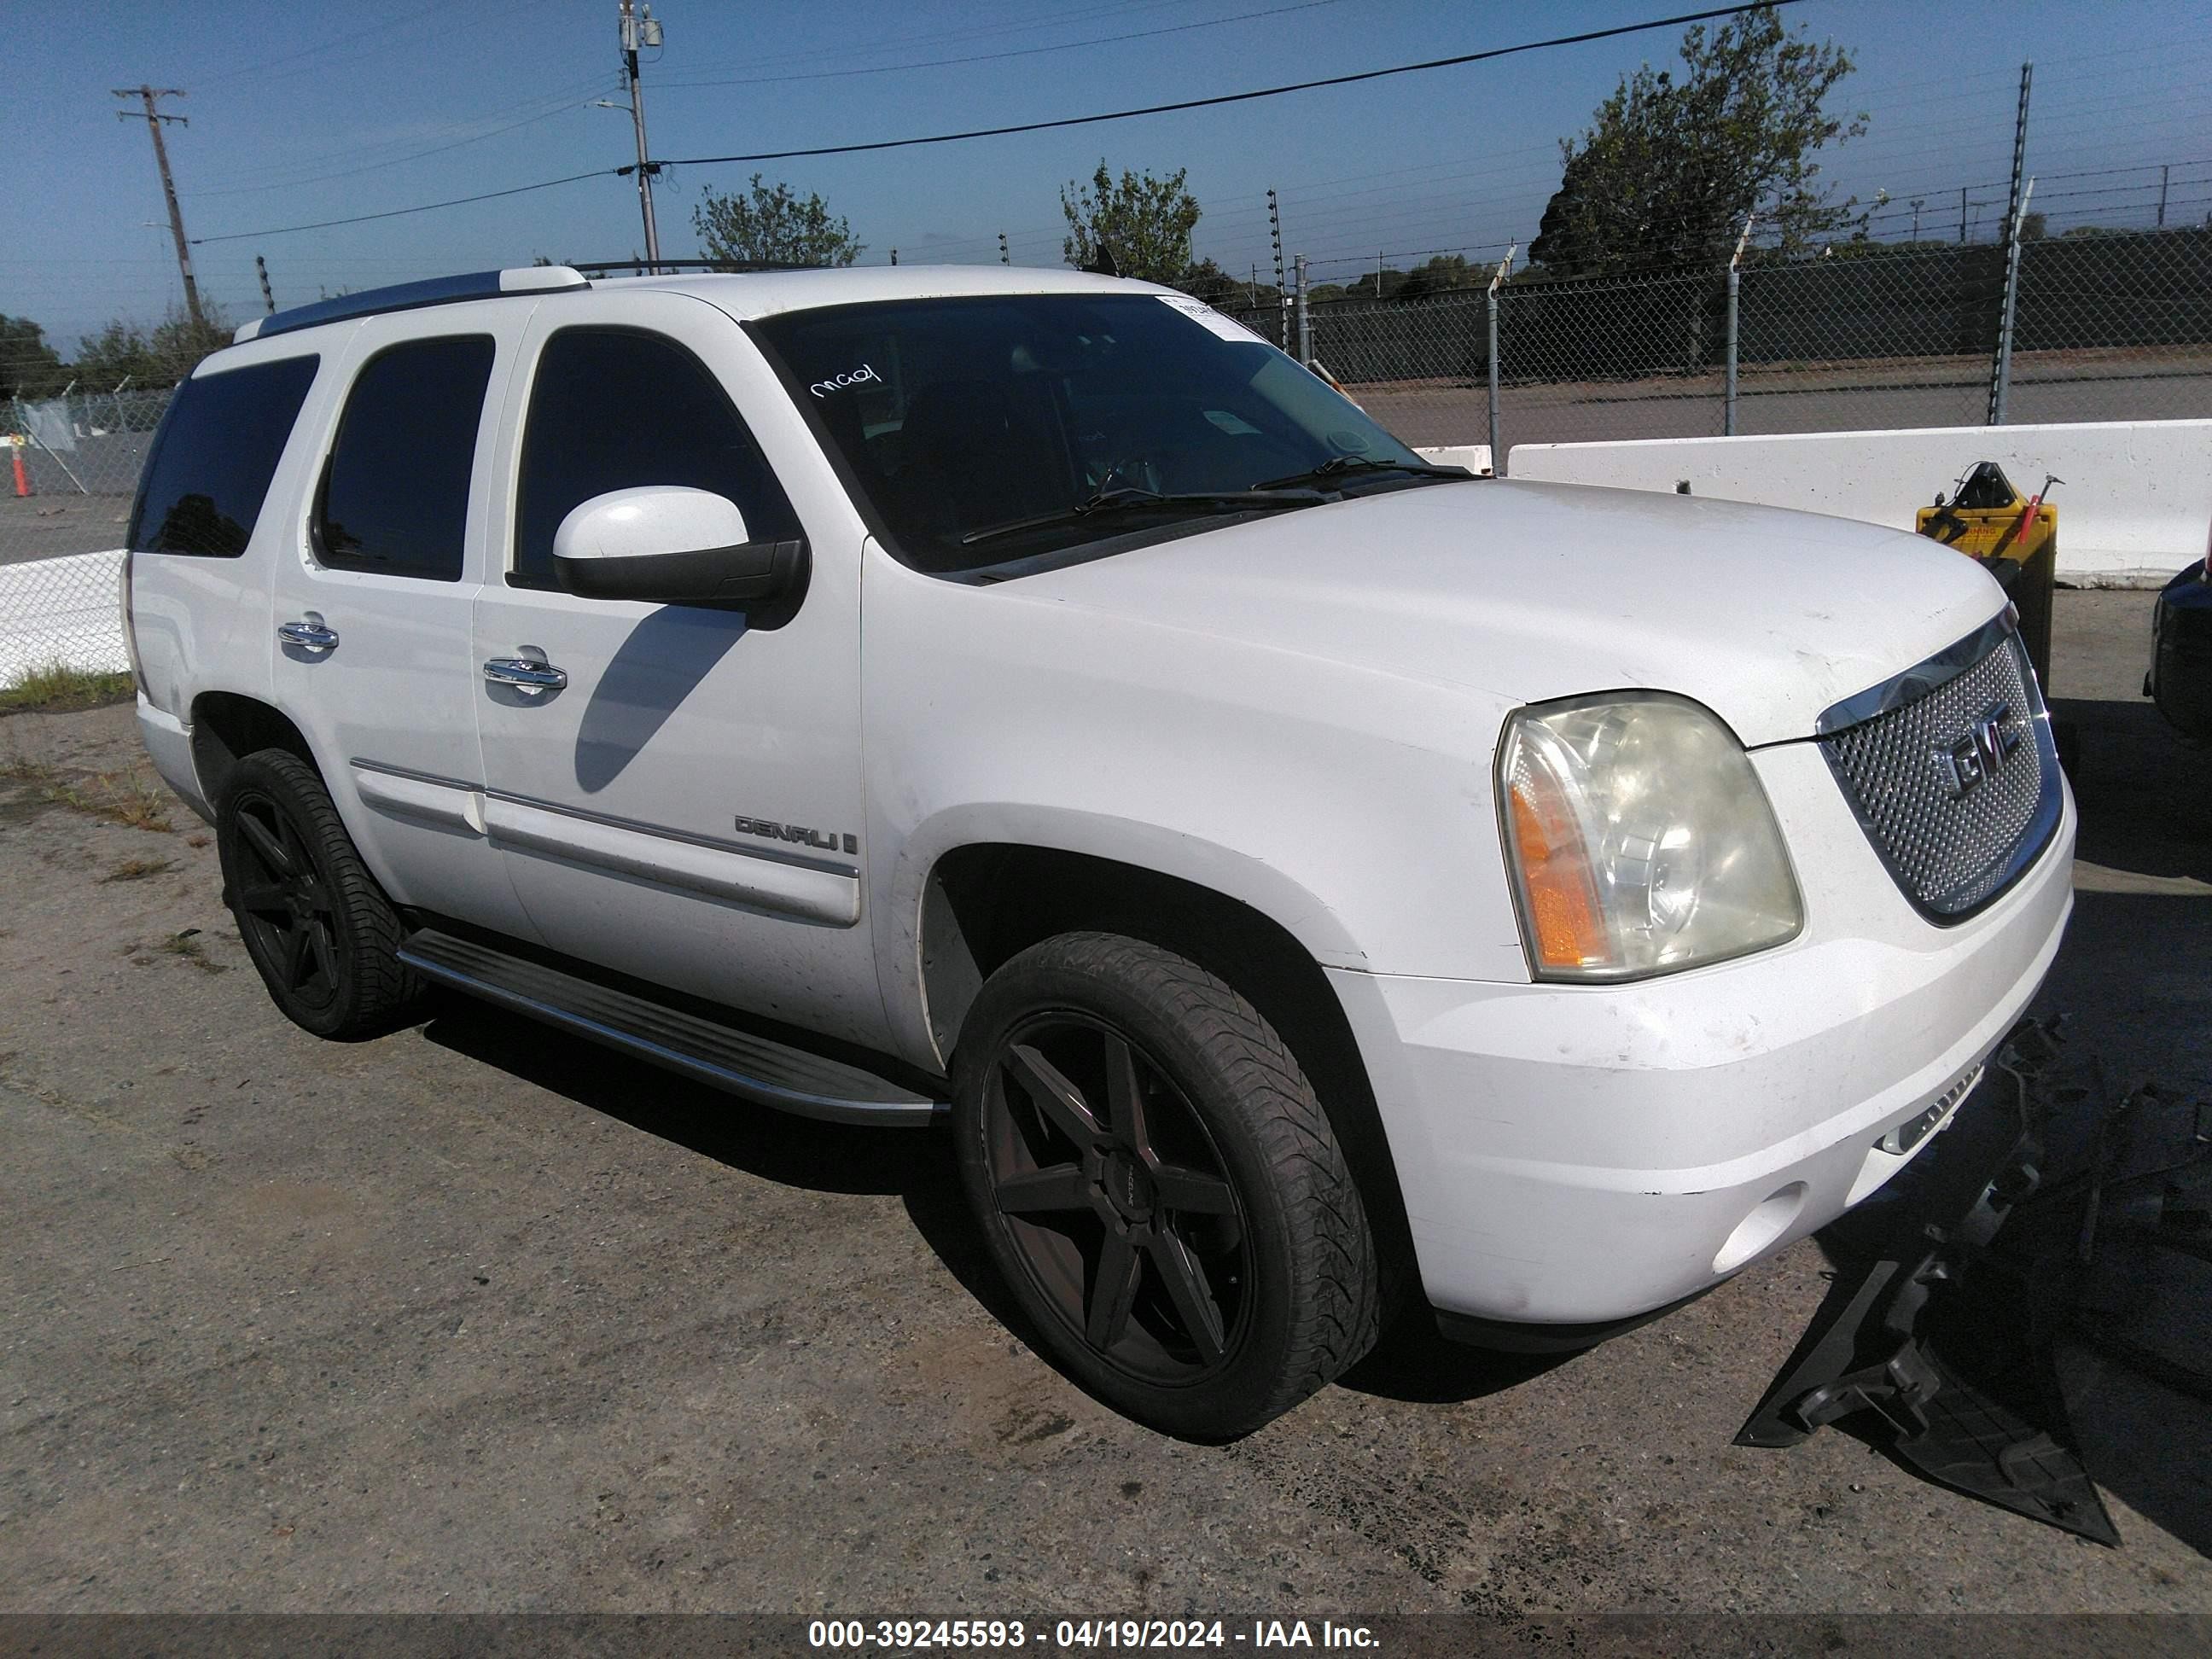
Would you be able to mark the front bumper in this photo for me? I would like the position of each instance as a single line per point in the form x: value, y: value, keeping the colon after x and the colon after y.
x: 1575, y: 1154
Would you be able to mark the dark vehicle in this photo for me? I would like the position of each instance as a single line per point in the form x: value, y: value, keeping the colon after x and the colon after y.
x: 2180, y: 677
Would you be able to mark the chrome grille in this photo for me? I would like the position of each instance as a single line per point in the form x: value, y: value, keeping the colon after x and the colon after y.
x: 1951, y: 770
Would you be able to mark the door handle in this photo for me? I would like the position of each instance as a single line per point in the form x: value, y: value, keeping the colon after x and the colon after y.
x: 309, y: 635
x: 526, y: 675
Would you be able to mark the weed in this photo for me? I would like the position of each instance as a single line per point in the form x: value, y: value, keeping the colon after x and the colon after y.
x: 119, y: 797
x: 138, y: 870
x: 57, y: 687
x: 197, y: 841
x: 187, y: 945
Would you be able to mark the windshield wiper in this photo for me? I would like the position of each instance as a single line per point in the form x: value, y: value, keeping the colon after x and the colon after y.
x: 1337, y: 466
x: 1133, y: 500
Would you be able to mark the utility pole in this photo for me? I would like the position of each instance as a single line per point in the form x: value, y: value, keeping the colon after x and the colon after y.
x: 261, y: 269
x: 154, y: 119
x: 2162, y: 173
x: 1962, y: 216
x: 640, y: 30
x: 1917, y: 202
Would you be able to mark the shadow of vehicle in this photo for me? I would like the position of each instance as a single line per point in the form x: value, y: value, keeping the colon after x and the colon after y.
x: 914, y: 1165
x: 1411, y: 1362
x: 2135, y: 975
x: 1415, y: 1363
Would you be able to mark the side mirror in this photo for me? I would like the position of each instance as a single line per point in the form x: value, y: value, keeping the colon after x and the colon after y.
x: 667, y: 544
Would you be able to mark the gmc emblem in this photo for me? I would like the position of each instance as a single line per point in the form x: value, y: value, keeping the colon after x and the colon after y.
x: 1978, y: 751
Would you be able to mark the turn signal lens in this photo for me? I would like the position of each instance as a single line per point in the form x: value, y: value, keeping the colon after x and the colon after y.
x: 1640, y: 839
x: 1555, y: 876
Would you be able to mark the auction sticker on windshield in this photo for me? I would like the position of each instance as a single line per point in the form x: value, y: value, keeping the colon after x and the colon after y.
x: 1226, y: 328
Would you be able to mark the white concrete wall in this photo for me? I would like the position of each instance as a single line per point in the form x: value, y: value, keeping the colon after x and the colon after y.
x: 67, y: 611
x: 1475, y: 457
x: 2136, y: 504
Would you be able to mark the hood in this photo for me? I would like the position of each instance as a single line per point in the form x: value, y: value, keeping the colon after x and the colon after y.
x: 1537, y: 591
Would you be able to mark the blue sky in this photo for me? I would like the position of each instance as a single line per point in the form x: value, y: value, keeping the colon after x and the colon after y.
x: 302, y: 112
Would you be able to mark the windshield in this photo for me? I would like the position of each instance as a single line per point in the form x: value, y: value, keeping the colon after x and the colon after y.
x: 960, y: 416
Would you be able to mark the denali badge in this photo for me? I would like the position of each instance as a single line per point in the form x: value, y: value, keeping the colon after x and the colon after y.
x: 1978, y: 751
x: 806, y: 837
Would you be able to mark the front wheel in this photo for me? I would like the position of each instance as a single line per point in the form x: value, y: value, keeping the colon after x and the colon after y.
x: 1159, y: 1186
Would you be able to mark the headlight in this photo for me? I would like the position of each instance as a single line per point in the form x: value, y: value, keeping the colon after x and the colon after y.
x: 1639, y: 840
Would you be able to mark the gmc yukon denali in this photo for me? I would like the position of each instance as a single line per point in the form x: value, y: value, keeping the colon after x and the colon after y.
x: 1309, y: 881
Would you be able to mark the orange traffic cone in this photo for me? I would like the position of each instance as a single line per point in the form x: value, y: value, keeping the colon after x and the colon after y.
x: 23, y: 478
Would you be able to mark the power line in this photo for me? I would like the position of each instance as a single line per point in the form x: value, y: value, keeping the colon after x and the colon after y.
x: 266, y: 64
x: 1235, y: 97
x: 993, y: 57
x: 568, y: 103
x: 426, y: 207
x: 886, y: 45
x: 1038, y: 126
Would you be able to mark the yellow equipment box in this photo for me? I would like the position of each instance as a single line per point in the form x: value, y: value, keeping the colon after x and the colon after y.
x: 1990, y: 521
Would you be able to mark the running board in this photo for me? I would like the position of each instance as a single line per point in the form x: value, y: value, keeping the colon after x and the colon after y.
x: 756, y: 1067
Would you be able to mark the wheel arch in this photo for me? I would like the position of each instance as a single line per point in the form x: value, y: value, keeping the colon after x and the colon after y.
x: 227, y: 726
x: 983, y: 903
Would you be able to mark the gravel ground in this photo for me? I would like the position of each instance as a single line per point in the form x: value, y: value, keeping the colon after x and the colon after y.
x: 477, y: 1317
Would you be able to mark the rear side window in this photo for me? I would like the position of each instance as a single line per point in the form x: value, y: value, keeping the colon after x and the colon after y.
x: 395, y: 498
x: 218, y: 449
x: 614, y: 409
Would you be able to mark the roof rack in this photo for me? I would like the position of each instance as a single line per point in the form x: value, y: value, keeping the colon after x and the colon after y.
x: 637, y: 267
x: 410, y: 296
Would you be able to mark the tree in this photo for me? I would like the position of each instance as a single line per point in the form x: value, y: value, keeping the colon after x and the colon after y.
x: 1146, y: 222
x: 1208, y: 282
x: 2033, y: 227
x: 167, y: 352
x: 1376, y: 284
x: 773, y: 226
x: 1672, y: 163
x: 29, y: 367
x: 1442, y: 272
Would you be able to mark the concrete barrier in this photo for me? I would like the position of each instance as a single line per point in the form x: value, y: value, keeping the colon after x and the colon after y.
x: 1475, y: 457
x: 2134, y: 507
x: 65, y: 612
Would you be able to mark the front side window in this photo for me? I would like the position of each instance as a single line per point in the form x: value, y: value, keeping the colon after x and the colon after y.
x: 395, y: 499
x: 618, y: 409
x: 984, y: 431
x: 218, y: 449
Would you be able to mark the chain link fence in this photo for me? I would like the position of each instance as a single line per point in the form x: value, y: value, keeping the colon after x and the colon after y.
x: 72, y: 467
x: 2109, y: 327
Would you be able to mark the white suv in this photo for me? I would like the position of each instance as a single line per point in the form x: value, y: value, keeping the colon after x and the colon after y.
x: 1298, y: 870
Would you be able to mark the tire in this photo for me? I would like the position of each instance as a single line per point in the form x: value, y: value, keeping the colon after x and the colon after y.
x: 322, y: 934
x: 1201, y: 1263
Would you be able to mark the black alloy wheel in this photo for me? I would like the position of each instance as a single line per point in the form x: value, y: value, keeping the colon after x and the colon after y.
x: 1158, y: 1186
x: 1116, y: 1198
x: 283, y: 907
x: 321, y: 933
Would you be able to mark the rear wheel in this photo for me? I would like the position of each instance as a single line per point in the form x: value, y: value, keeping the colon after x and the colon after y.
x: 319, y: 930
x: 1159, y: 1186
